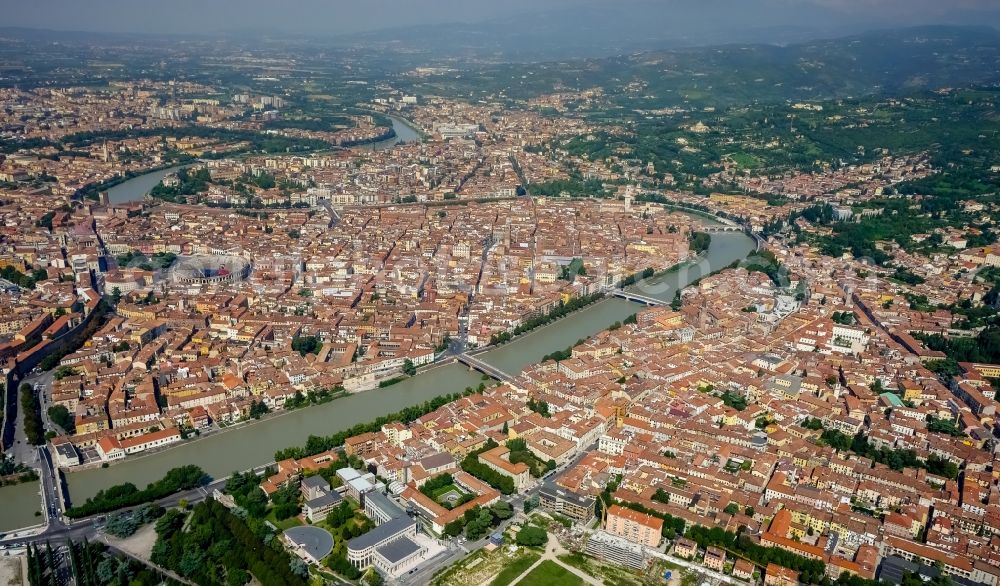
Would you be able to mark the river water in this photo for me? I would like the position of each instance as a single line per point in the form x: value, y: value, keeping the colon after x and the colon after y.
x: 18, y: 505
x: 404, y: 133
x: 136, y: 188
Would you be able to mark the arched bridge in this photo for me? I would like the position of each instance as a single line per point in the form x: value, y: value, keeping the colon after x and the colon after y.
x: 637, y: 298
x: 485, y: 368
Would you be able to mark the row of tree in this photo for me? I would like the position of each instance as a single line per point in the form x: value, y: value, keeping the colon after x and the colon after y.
x: 127, y: 495
x: 893, y: 458
x: 472, y: 465
x: 561, y: 310
x: 34, y: 427
x: 316, y: 444
x: 810, y: 571
x: 90, y: 564
x: 43, y: 569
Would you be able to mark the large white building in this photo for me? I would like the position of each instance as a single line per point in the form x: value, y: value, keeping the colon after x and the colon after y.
x: 361, y: 551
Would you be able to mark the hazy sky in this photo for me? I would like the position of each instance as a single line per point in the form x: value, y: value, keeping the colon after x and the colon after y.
x: 344, y: 16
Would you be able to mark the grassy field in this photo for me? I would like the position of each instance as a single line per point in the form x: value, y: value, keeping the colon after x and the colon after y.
x: 549, y: 573
x: 514, y: 570
x: 285, y: 524
x: 611, y: 574
x: 441, y: 495
x: 479, y: 568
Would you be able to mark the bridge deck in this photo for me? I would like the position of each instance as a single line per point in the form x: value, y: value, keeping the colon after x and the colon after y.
x: 638, y: 298
x: 485, y: 368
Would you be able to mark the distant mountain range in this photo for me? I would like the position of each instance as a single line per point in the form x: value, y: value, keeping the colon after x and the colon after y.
x: 599, y: 29
x: 890, y: 62
x: 596, y: 28
x: 482, y: 59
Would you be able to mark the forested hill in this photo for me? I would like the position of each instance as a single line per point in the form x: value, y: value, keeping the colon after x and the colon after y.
x: 879, y: 62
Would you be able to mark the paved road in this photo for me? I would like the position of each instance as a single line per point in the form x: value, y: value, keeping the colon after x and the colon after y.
x: 425, y: 571
x: 51, y: 504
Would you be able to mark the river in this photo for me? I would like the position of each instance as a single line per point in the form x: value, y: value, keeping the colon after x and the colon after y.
x: 19, y: 504
x: 254, y: 444
x: 404, y: 133
x: 135, y: 189
x: 529, y: 348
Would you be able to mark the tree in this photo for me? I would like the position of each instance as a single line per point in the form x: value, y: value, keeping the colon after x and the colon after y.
x: 61, y: 416
x: 540, y: 407
x: 116, y: 295
x: 258, y: 408
x: 34, y: 428
x: 454, y: 528
x: 699, y: 242
x: 236, y: 577
x: 373, y: 578
x: 306, y: 345
x: 339, y: 563
x: 106, y: 570
x: 479, y: 524
x: 531, y: 536
x: 127, y: 523
x: 299, y: 568
x: 502, y: 510
x: 408, y: 368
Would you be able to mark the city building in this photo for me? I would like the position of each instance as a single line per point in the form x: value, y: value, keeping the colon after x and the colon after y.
x: 559, y: 500
x: 605, y: 546
x: 361, y: 551
x: 634, y: 526
x: 312, y: 544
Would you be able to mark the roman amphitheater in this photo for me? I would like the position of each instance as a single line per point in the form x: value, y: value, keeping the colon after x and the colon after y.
x: 209, y: 269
